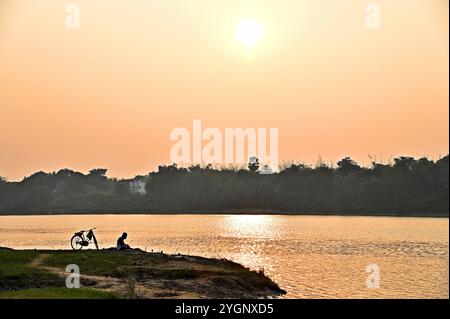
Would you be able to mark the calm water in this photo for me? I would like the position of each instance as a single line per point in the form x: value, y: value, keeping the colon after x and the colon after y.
x: 309, y: 256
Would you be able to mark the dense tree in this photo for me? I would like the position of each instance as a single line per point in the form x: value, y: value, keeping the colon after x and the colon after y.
x: 407, y: 185
x: 348, y: 165
x: 98, y: 172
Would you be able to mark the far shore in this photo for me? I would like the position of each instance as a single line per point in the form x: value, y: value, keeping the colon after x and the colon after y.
x: 236, y: 212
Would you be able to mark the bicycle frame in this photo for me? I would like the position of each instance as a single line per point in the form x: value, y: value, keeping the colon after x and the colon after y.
x: 86, y: 239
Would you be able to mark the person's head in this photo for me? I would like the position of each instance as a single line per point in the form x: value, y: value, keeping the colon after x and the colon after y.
x: 124, y: 235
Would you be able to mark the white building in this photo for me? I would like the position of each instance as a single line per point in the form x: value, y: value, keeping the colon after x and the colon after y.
x: 266, y: 170
x: 137, y: 186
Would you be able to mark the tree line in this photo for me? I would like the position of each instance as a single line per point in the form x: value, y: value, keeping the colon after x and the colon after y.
x: 405, y: 186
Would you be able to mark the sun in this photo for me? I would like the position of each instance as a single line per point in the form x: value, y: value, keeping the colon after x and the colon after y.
x: 249, y: 32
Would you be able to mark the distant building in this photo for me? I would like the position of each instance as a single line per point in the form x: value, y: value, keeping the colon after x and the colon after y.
x: 266, y: 170
x: 253, y: 164
x: 137, y: 186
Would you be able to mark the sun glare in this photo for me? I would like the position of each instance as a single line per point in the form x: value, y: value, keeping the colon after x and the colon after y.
x: 249, y: 32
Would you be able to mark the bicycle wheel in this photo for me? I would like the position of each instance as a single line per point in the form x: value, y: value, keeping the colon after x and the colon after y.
x: 76, y: 242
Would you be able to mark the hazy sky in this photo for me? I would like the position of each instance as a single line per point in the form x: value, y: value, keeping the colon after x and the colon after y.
x: 109, y: 94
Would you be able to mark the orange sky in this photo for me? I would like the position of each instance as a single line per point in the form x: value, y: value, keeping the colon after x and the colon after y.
x: 108, y: 94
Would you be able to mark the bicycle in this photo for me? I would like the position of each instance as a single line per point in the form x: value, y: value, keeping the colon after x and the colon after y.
x: 78, y: 240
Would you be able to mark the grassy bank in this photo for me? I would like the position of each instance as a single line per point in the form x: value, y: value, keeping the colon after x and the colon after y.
x: 133, y: 274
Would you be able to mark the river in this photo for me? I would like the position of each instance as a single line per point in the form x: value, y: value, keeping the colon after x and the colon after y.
x: 309, y: 256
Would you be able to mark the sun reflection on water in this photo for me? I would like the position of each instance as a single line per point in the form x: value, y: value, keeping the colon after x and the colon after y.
x: 255, y: 226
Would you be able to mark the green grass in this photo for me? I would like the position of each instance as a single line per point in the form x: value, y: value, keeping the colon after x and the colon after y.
x: 9, y: 256
x: 104, y: 262
x: 123, y: 264
x: 91, y: 262
x: 16, y: 271
x: 57, y: 293
x: 20, y: 278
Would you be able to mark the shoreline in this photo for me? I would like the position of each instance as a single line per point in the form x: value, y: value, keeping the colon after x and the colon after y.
x: 41, y: 273
x: 235, y: 212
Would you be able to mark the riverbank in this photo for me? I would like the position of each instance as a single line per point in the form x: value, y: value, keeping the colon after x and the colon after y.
x: 236, y: 212
x: 132, y: 274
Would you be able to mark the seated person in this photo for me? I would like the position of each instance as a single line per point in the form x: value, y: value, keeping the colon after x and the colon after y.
x: 121, y: 242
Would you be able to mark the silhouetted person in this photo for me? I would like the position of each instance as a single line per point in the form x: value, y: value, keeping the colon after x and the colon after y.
x: 121, y: 242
